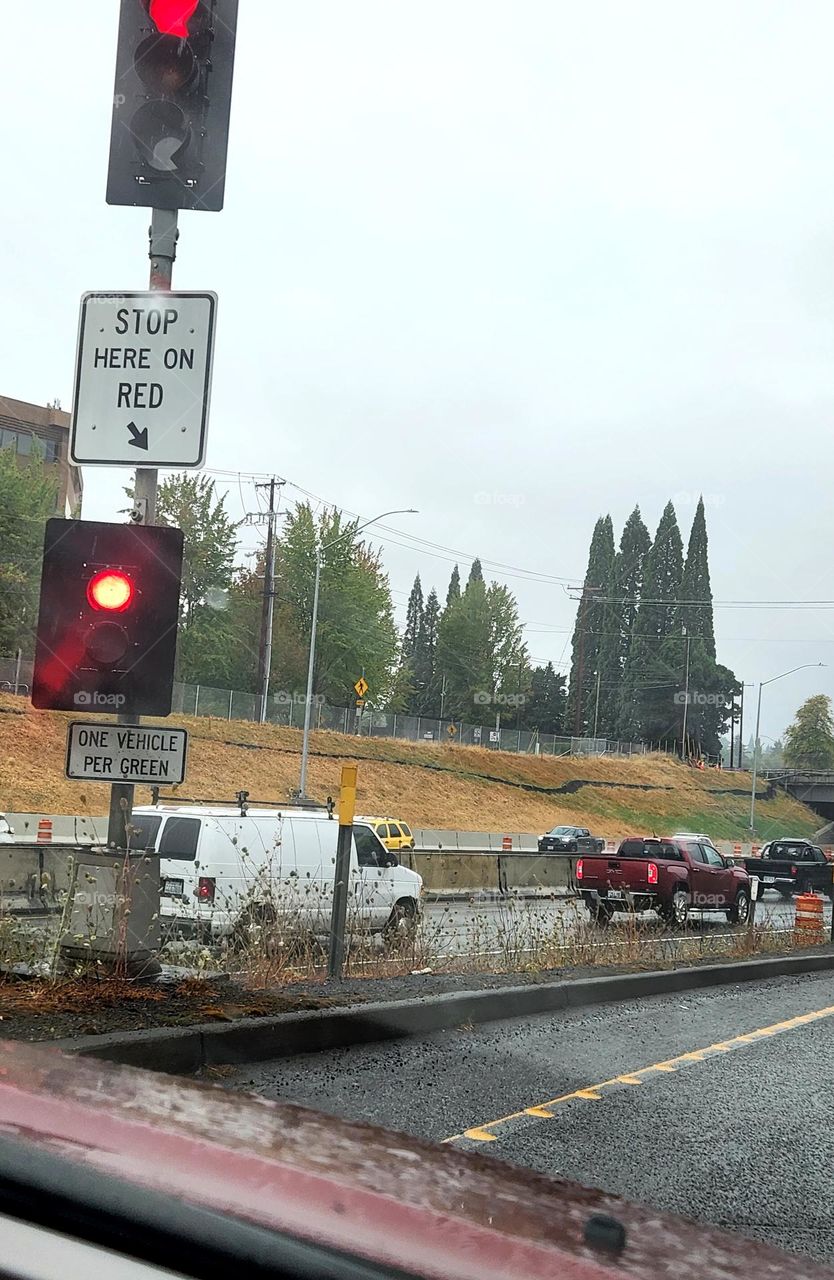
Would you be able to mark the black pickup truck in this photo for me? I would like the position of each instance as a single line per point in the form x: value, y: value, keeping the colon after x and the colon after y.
x: 570, y: 840
x: 792, y: 866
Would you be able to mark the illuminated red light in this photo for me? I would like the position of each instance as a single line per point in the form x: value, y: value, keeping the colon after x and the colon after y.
x: 205, y: 889
x: 580, y: 870
x: 111, y: 591
x: 652, y: 877
x: 173, y: 16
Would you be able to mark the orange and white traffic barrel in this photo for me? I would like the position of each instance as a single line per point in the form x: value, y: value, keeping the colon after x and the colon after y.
x: 809, y: 926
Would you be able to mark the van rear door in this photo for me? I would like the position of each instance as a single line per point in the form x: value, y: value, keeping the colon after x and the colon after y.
x: 177, y: 846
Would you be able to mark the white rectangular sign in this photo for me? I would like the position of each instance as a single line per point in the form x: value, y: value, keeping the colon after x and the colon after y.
x: 143, y: 379
x: 125, y: 753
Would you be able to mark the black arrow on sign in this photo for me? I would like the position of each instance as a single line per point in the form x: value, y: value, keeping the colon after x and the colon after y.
x: 139, y: 439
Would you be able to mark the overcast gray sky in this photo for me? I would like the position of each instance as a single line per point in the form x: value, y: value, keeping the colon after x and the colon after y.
x: 514, y: 264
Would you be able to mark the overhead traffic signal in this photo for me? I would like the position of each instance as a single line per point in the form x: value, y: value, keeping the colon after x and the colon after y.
x: 107, y: 627
x: 172, y: 102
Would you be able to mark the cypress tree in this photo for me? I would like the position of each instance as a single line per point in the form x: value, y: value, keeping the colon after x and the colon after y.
x: 453, y: 592
x: 620, y: 625
x: 476, y: 573
x: 589, y: 630
x: 650, y: 676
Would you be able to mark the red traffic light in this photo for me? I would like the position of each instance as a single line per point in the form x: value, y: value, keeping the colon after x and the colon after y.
x: 110, y: 591
x: 173, y: 16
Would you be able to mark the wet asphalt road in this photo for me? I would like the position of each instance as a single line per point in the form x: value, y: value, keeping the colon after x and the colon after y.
x: 463, y: 927
x: 742, y: 1137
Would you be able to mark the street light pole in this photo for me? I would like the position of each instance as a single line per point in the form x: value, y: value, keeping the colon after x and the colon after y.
x: 762, y: 684
x: 308, y: 702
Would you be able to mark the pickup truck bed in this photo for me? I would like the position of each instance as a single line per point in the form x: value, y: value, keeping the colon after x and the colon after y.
x: 672, y: 877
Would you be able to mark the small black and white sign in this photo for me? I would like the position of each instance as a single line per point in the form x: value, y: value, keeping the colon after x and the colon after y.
x: 126, y: 753
x: 143, y: 379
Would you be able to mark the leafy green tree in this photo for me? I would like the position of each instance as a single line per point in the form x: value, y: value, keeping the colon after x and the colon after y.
x: 356, y: 630
x: 546, y: 706
x: 28, y: 497
x: 207, y: 634
x: 809, y: 740
x: 479, y: 646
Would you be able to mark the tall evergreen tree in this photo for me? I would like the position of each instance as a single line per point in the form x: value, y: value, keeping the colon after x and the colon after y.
x: 651, y: 674
x: 425, y: 659
x: 711, y: 687
x: 413, y: 622
x: 589, y: 630
x: 476, y: 573
x: 620, y: 622
x: 453, y: 592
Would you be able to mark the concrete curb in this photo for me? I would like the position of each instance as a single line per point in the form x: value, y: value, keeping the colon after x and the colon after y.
x: 184, y: 1051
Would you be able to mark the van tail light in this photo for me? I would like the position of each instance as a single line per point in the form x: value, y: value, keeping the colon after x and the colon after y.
x: 652, y: 873
x: 205, y: 889
x: 579, y: 870
x: 793, y: 871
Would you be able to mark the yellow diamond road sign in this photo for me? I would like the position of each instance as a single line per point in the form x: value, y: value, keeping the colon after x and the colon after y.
x: 361, y: 687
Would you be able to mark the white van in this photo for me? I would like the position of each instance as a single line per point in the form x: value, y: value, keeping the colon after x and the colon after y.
x: 221, y: 867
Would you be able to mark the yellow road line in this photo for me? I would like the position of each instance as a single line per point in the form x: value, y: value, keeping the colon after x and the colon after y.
x: 594, y: 1092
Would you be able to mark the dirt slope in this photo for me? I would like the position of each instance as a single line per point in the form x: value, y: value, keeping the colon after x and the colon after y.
x: 428, y: 784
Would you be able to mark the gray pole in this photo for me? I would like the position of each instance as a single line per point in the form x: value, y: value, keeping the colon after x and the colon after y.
x: 685, y: 699
x: 305, y: 744
x: 268, y: 605
x: 338, y: 915
x: 596, y: 706
x: 18, y: 657
x: 755, y: 761
x: 163, y: 253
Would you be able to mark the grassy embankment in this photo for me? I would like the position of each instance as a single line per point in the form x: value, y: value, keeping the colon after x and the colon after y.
x: 430, y: 785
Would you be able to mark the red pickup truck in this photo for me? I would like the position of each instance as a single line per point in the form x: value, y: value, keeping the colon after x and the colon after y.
x: 672, y: 877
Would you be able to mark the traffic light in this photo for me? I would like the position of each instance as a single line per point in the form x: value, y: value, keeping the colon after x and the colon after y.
x: 172, y: 103
x: 107, y: 627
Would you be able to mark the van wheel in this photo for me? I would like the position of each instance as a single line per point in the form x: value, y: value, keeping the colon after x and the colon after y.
x: 402, y: 922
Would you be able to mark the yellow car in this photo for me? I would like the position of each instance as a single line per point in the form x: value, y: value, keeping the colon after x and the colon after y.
x: 394, y: 834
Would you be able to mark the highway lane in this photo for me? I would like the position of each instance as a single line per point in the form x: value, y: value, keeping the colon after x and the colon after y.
x: 463, y: 927
x: 739, y: 1131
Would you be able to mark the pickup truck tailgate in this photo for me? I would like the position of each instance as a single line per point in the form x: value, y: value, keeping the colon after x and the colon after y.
x: 615, y: 873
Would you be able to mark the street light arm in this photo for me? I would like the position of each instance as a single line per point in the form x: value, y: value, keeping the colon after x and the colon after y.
x: 351, y: 533
x: 805, y: 666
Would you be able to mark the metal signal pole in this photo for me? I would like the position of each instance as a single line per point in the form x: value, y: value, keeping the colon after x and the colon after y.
x: 163, y: 252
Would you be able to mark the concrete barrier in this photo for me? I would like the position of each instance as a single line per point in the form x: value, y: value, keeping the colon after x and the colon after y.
x: 537, y: 871
x: 456, y: 872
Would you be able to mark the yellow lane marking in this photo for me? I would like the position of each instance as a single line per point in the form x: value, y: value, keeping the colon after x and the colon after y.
x: 593, y: 1092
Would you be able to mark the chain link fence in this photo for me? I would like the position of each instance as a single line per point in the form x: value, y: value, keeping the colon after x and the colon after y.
x: 288, y: 709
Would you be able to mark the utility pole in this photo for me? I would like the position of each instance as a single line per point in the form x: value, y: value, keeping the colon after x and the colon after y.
x: 741, y: 729
x: 268, y: 609
x: 163, y: 252
x: 580, y: 663
x: 685, y: 695
x: 596, y: 706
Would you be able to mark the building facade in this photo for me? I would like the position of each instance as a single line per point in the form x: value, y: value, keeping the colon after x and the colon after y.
x: 28, y: 428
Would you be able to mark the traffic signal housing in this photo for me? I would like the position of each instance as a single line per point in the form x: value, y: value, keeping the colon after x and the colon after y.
x: 107, y: 626
x: 171, y: 103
